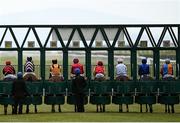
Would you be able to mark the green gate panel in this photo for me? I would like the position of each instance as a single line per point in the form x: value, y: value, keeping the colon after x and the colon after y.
x: 145, y: 99
x: 6, y: 101
x: 55, y: 92
x: 37, y: 100
x: 71, y: 99
x: 123, y: 100
x: 49, y: 100
x: 100, y: 100
x: 168, y: 100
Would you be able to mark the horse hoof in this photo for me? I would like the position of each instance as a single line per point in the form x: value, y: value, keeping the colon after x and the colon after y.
x: 151, y: 111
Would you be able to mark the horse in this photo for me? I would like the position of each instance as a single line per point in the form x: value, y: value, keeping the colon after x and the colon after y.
x: 56, y: 78
x: 99, y: 79
x: 123, y: 78
x: 30, y: 77
x: 167, y: 106
x: 100, y: 106
x: 9, y: 77
x: 146, y: 78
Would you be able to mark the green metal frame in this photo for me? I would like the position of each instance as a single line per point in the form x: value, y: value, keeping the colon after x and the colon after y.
x: 110, y: 48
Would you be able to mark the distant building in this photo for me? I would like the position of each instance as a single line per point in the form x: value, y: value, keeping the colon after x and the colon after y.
x: 88, y: 34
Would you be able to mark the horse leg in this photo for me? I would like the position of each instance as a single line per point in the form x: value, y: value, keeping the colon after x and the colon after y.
x: 103, y: 108
x: 168, y: 108
x: 5, y: 109
x: 150, y: 108
x: 146, y: 107
x: 120, y: 108
x: 127, y: 108
x: 141, y: 108
x: 100, y: 107
x: 27, y: 109
x: 59, y: 108
x: 12, y: 108
x: 35, y: 108
x: 53, y: 108
x: 165, y: 108
x: 172, y: 108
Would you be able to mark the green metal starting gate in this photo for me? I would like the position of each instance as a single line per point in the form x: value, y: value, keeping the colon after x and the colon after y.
x: 114, y: 38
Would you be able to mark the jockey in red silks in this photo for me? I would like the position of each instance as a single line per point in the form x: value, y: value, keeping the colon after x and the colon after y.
x: 99, y: 71
x: 9, y: 71
x: 75, y: 65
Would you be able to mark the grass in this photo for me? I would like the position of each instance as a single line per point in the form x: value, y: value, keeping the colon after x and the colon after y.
x: 111, y: 115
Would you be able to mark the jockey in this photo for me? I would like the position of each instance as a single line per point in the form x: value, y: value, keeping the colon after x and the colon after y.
x: 121, y: 69
x: 9, y: 71
x: 55, y: 71
x: 99, y: 70
x: 167, y: 69
x: 75, y: 65
x: 143, y: 69
x: 55, y: 68
x: 29, y: 69
x: 29, y: 65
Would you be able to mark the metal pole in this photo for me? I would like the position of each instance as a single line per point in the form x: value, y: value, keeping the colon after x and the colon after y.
x: 42, y: 61
x: 178, y: 56
x: 65, y: 64
x: 88, y: 64
x: 111, y: 64
x: 20, y: 59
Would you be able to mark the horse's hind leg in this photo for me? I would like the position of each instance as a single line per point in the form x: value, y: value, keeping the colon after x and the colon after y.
x: 120, y: 107
x: 53, y: 108
x: 104, y: 108
x: 5, y: 109
x: 101, y: 108
x: 168, y: 108
x: 146, y: 107
x: 141, y: 108
x: 150, y: 108
x: 35, y: 108
x: 127, y: 108
x: 172, y: 108
x: 27, y: 109
x: 59, y: 108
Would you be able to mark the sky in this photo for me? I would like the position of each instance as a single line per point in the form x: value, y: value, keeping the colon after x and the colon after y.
x: 14, y: 12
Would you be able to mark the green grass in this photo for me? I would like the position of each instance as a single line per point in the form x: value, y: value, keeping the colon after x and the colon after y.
x: 111, y: 114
